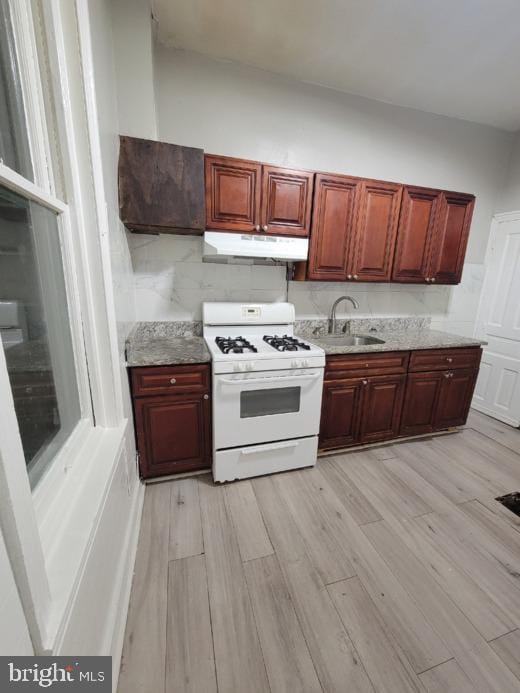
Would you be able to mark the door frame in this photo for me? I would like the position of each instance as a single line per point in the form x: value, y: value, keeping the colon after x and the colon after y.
x: 486, y: 296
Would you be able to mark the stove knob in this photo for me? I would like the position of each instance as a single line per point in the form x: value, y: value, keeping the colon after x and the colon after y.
x: 294, y: 364
x: 249, y: 366
x: 237, y: 368
x: 305, y: 363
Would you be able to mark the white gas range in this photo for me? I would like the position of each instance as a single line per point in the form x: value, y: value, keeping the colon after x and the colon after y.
x: 267, y: 388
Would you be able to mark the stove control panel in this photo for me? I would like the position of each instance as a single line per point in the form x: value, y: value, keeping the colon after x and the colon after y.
x: 244, y: 366
x: 300, y: 364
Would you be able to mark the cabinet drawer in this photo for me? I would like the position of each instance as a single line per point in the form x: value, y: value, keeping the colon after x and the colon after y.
x: 156, y: 380
x: 387, y: 363
x: 441, y: 359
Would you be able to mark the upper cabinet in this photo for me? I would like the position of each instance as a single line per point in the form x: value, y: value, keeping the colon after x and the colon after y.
x: 286, y: 201
x: 233, y: 192
x: 161, y: 187
x: 415, y: 235
x: 334, y: 217
x: 451, y: 237
x: 246, y: 196
x: 433, y: 235
x: 360, y: 230
x: 376, y: 229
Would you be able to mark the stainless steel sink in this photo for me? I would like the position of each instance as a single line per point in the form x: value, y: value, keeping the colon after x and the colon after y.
x: 350, y: 340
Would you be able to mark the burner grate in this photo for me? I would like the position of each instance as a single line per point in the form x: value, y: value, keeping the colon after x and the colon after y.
x: 285, y: 343
x: 234, y: 345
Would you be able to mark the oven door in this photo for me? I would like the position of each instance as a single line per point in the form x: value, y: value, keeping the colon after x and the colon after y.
x: 253, y: 408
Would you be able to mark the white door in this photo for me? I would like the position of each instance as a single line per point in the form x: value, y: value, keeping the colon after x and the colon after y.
x: 498, y: 387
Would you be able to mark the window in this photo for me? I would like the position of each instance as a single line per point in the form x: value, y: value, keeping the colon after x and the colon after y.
x: 14, y: 143
x: 35, y: 331
x: 35, y: 316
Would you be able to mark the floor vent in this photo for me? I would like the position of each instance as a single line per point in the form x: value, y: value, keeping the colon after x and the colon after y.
x: 511, y: 502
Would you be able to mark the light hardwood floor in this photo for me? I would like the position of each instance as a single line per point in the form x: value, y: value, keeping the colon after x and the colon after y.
x: 391, y: 569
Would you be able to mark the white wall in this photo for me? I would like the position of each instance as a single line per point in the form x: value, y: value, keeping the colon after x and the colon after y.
x: 132, y: 37
x: 509, y: 200
x: 241, y: 111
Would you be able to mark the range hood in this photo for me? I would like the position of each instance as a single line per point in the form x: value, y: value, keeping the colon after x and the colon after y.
x: 219, y: 246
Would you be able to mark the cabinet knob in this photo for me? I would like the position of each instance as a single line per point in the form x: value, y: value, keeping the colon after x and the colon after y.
x: 365, y: 382
x: 427, y: 279
x: 264, y: 227
x: 446, y: 375
x: 349, y: 276
x: 173, y: 381
x: 432, y: 279
x: 257, y: 227
x: 449, y: 359
x: 206, y: 396
x: 355, y: 276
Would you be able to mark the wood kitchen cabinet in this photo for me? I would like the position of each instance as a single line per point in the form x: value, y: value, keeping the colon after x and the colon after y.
x: 382, y: 404
x: 375, y: 232
x: 340, y: 413
x: 420, y: 403
x: 233, y: 189
x: 361, y: 410
x: 455, y: 397
x: 173, y: 418
x: 432, y: 236
x: 335, y: 199
x: 161, y: 187
x: 251, y: 197
x: 415, y: 234
x: 353, y: 230
x: 373, y: 397
x: 451, y: 237
x: 362, y: 398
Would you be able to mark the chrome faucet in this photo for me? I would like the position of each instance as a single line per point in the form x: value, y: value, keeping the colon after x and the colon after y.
x: 332, y: 319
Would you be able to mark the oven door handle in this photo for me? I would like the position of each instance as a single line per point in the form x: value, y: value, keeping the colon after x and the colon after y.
x: 274, y: 379
x: 269, y: 447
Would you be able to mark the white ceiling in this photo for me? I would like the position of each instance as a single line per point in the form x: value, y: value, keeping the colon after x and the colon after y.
x: 458, y: 58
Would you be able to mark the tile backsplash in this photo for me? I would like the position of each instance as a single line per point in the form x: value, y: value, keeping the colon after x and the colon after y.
x: 171, y: 282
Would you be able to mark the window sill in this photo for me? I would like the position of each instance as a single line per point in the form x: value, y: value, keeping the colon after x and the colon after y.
x: 68, y: 525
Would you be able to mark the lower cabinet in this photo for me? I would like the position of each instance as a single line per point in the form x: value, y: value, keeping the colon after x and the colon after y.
x: 361, y: 410
x: 173, y: 430
x: 420, y: 404
x: 437, y: 400
x: 382, y: 404
x: 371, y: 408
x: 340, y: 413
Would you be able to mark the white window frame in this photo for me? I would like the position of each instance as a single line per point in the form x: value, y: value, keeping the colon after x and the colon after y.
x: 38, y: 526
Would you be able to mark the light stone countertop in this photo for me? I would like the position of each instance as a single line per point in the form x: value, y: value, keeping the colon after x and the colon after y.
x: 165, y: 344
x: 407, y: 340
x: 174, y: 343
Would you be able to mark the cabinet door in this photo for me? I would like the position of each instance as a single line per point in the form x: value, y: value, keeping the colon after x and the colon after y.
x: 376, y: 229
x: 382, y: 405
x: 233, y: 189
x: 451, y: 237
x: 420, y: 402
x: 332, y: 226
x: 173, y: 434
x: 286, y: 201
x: 340, y: 411
x: 455, y: 397
x: 414, y: 234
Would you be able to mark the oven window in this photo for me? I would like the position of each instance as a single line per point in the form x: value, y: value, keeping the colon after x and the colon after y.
x: 278, y: 400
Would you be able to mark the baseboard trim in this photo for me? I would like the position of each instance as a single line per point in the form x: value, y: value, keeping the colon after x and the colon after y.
x: 386, y: 443
x: 125, y: 579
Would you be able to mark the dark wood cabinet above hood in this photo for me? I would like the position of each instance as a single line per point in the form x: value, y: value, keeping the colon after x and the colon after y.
x: 161, y: 187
